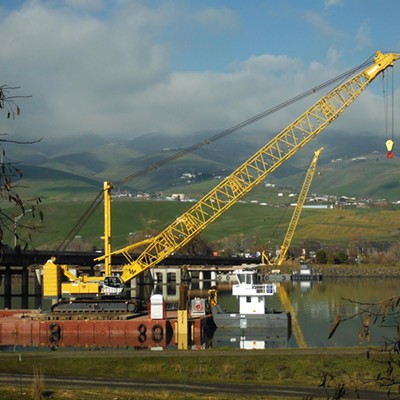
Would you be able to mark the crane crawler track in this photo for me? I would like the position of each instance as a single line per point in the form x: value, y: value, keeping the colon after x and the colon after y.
x: 97, y: 306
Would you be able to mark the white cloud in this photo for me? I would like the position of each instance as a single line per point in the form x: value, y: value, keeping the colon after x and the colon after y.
x: 363, y: 36
x: 218, y: 19
x: 114, y: 75
x: 321, y: 24
x: 81, y: 69
x: 333, y: 55
x: 333, y: 3
x: 88, y: 5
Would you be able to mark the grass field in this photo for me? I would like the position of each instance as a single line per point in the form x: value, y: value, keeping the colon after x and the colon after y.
x: 264, y: 225
x: 277, y: 367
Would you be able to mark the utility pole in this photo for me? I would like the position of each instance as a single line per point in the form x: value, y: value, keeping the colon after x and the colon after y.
x: 16, y: 219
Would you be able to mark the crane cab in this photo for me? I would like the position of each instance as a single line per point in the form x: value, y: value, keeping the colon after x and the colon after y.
x: 113, y: 286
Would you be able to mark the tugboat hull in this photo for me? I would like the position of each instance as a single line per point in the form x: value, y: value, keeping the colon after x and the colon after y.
x: 276, y: 324
x: 306, y: 277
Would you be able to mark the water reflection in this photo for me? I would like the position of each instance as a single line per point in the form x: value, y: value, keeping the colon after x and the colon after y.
x: 316, y: 305
x: 244, y: 339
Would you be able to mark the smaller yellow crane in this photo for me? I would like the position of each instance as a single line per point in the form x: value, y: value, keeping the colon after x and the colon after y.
x: 286, y: 244
x: 296, y: 213
x: 298, y: 209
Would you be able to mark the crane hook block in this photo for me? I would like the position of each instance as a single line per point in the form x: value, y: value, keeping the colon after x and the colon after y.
x: 389, y: 146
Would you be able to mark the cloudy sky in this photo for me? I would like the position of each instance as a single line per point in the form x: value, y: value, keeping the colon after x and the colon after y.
x: 124, y: 68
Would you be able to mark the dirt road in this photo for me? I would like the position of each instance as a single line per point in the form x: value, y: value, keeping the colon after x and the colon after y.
x: 239, y: 389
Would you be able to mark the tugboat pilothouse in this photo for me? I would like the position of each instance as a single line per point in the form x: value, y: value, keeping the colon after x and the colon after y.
x: 252, y: 308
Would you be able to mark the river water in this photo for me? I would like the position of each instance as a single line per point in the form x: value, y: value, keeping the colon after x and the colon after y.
x: 315, y: 305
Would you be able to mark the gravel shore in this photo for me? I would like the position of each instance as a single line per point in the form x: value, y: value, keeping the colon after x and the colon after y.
x: 351, y: 271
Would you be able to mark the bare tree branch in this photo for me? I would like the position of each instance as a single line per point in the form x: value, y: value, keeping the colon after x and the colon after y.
x: 9, y: 172
x: 18, y: 141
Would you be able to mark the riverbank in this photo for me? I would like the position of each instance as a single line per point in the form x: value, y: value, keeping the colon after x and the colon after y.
x: 348, y: 271
x: 210, y: 374
x: 359, y: 271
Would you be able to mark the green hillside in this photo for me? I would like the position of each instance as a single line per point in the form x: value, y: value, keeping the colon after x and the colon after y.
x: 260, y: 226
x: 368, y: 176
x: 97, y: 159
x: 69, y: 179
x: 374, y: 177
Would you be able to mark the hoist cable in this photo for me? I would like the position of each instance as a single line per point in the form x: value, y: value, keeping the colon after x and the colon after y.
x: 88, y: 213
x: 385, y: 105
x: 393, y: 109
x: 82, y: 221
x: 388, y: 111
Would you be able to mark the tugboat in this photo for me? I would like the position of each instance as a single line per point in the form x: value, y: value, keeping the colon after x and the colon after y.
x: 252, y: 315
x: 306, y: 273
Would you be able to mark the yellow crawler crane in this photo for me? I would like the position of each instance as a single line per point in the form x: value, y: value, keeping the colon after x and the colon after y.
x: 81, y: 293
x: 252, y: 172
x: 270, y: 157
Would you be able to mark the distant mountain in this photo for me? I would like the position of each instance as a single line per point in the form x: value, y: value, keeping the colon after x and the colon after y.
x: 88, y: 160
